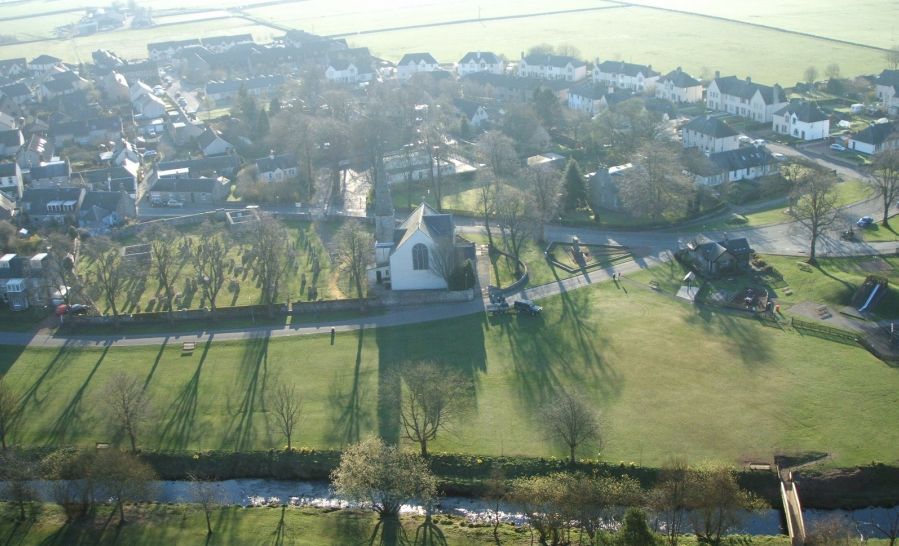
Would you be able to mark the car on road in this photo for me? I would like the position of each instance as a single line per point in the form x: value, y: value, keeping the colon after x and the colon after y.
x: 150, y: 153
x: 760, y: 142
x: 865, y: 221
x: 78, y: 309
x: 837, y: 147
x: 778, y: 156
x: 174, y: 203
x: 527, y: 306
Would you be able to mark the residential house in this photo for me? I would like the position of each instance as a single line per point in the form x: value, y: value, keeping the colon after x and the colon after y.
x: 124, y: 178
x: 149, y: 107
x: 709, y: 134
x: 10, y: 68
x: 115, y: 86
x: 747, y: 163
x: 35, y: 152
x: 11, y: 181
x: 125, y: 152
x: 18, y: 93
x: 13, y: 281
x: 592, y: 99
x: 475, y: 113
x: 480, y: 61
x: 220, y: 44
x: 507, y: 87
x: 103, y: 210
x: 604, y: 186
x: 713, y: 258
x: 11, y: 142
x: 52, y: 205
x: 744, y: 98
x: 84, y: 132
x: 803, y: 120
x: 277, y: 168
x: 413, y: 63
x: 415, y: 165
x: 139, y: 89
x: 635, y: 77
x: 147, y: 71
x: 409, y: 261
x: 44, y: 64
x: 7, y: 206
x: 8, y: 122
x: 191, y: 190
x: 223, y: 165
x: 887, y: 86
x: 262, y: 87
x: 52, y: 89
x: 211, y: 144
x: 350, y: 66
x: 53, y: 174
x: 552, y: 67
x: 679, y: 87
x: 875, y: 138
x: 164, y: 51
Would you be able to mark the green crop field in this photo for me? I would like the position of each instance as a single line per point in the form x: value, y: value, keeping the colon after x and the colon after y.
x: 669, y: 378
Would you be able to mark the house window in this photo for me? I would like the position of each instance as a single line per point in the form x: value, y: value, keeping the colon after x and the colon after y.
x: 420, y: 257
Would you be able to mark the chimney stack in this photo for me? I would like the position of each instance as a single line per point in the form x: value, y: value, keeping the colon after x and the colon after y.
x: 717, y: 74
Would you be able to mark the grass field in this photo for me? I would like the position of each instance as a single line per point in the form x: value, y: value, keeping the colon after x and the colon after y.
x: 878, y: 233
x: 155, y: 525
x: 668, y: 377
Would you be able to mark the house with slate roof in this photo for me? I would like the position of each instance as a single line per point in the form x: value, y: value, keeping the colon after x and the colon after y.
x: 11, y: 181
x: 51, y: 205
x: 11, y: 142
x: 262, y: 87
x: 474, y: 112
x: 277, y: 168
x: 164, y: 51
x: 408, y: 261
x: 13, y: 67
x: 746, y: 163
x: 36, y: 151
x: 679, y: 87
x: 875, y: 138
x: 413, y: 63
x: 709, y: 134
x: 223, y: 165
x: 350, y: 66
x: 592, y: 98
x: 211, y: 143
x: 44, y: 64
x: 507, y: 87
x: 19, y: 93
x: 480, y: 61
x: 220, y: 44
x: 887, y: 86
x: 744, y: 98
x: 802, y: 119
x: 191, y: 190
x: 552, y: 67
x: 636, y: 77
x: 53, y: 174
x: 713, y: 258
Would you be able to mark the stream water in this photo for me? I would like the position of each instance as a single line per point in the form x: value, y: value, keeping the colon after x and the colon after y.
x: 319, y: 494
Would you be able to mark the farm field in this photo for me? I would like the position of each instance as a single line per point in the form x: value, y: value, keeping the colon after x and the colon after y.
x: 132, y: 44
x: 39, y: 26
x: 669, y: 378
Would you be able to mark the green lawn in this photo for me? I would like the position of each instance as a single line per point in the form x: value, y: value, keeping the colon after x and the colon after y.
x: 503, y: 272
x: 154, y: 525
x: 669, y: 378
x: 878, y: 233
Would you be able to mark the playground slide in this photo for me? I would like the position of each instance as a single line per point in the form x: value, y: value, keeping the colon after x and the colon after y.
x: 870, y: 298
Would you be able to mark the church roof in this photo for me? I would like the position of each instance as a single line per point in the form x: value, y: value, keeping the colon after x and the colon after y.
x: 434, y: 224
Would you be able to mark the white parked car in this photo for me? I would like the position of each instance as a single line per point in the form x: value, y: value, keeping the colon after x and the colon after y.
x: 174, y: 203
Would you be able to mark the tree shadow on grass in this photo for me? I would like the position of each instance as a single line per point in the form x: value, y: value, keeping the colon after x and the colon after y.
x: 181, y: 414
x: 456, y: 344
x: 68, y: 420
x: 254, y: 370
x: 62, y: 356
x: 750, y: 342
x: 159, y: 357
x: 350, y: 416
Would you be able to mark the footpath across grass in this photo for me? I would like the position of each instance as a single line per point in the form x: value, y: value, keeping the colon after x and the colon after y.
x: 668, y: 377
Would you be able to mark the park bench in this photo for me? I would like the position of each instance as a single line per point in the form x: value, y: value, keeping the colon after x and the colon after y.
x: 654, y: 285
x: 188, y: 347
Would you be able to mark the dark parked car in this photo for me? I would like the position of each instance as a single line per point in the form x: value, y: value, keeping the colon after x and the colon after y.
x: 865, y: 221
x: 527, y: 306
x: 79, y: 309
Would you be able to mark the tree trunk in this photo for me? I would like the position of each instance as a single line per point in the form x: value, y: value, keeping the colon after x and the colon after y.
x: 886, y: 214
x: 811, y: 254
x: 424, y: 448
x: 22, y: 510
x: 208, y: 523
x: 133, y: 442
x: 121, y: 512
x: 288, y: 441
x: 572, y: 447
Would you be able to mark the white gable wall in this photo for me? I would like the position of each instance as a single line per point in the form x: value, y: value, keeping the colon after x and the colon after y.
x: 403, y: 277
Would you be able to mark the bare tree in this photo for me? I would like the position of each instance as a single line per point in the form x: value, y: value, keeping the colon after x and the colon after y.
x: 17, y: 471
x: 892, y: 57
x: 123, y: 478
x: 832, y: 531
x: 815, y: 202
x: 545, y: 188
x: 832, y: 71
x: 110, y: 273
x: 569, y: 419
x: 884, y: 180
x: 9, y: 401
x: 513, y: 212
x: 354, y: 250
x: 432, y: 399
x: 271, y: 248
x: 167, y: 259
x: 61, y: 272
x: 286, y: 406
x: 207, y: 495
x: 717, y: 504
x: 889, y: 530
x: 656, y: 184
x: 210, y: 263
x: 128, y: 404
x: 487, y: 204
x: 810, y: 75
x: 443, y: 260
x: 498, y: 152
x: 669, y: 498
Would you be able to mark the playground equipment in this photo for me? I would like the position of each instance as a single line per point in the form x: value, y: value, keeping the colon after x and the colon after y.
x: 870, y: 292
